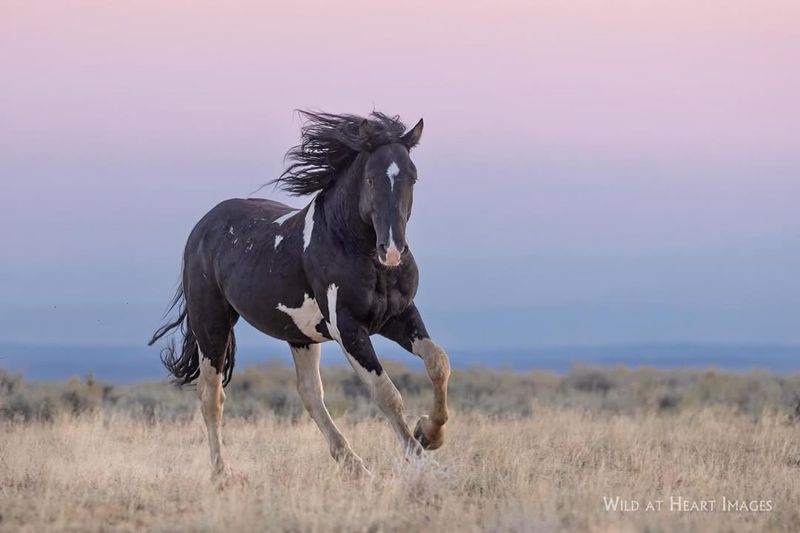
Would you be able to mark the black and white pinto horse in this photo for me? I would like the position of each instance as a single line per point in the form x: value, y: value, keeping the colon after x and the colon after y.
x: 339, y: 269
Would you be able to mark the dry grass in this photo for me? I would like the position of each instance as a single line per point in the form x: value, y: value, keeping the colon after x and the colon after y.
x: 549, y: 471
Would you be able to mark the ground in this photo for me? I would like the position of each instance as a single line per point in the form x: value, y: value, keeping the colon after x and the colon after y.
x: 549, y: 471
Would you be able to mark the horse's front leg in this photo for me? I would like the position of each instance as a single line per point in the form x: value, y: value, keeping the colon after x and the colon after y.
x: 357, y: 346
x: 408, y: 330
x: 309, y: 385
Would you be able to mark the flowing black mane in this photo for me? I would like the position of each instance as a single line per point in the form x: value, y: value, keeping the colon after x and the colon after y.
x: 329, y: 143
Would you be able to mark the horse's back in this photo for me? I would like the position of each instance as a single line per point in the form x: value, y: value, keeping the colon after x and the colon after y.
x: 237, y: 209
x: 236, y: 212
x: 227, y: 225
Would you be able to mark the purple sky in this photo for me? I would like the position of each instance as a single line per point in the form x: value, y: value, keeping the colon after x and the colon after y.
x: 590, y: 172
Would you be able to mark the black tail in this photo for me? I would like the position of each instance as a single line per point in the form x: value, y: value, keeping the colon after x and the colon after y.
x: 185, y: 367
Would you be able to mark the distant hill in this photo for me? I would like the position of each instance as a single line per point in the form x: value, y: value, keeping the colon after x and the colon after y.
x: 126, y: 364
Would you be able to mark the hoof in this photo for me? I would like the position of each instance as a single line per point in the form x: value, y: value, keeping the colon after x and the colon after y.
x: 428, y: 435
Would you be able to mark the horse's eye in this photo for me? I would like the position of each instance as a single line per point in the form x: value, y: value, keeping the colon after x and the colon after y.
x: 369, y: 181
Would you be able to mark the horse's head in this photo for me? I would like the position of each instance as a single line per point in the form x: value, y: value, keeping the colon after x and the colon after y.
x: 387, y: 192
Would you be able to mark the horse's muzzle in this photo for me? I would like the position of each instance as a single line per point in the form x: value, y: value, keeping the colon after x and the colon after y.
x: 389, y: 257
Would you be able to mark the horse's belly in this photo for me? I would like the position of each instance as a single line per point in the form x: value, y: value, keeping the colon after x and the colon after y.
x: 282, y: 308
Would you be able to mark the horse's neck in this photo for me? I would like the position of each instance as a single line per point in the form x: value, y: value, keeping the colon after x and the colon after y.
x: 341, y: 211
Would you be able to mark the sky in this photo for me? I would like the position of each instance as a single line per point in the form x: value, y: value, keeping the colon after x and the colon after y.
x: 590, y: 172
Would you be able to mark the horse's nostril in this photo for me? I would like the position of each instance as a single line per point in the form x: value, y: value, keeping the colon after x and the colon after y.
x: 382, y: 249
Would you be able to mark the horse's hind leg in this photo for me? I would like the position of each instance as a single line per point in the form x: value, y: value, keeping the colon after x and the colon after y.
x: 309, y: 385
x: 212, y: 399
x: 212, y: 321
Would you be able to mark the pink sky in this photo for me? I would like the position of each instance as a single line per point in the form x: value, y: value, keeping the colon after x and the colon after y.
x: 577, y: 131
x: 659, y: 79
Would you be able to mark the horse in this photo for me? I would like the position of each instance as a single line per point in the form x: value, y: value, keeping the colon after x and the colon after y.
x: 339, y: 269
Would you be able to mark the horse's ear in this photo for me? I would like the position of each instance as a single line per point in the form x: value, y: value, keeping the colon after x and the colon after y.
x: 365, y: 132
x: 411, y: 137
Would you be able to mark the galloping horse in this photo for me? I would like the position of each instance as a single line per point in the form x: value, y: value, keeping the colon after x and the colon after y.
x: 339, y: 269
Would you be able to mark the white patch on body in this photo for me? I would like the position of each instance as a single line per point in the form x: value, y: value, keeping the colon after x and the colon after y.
x: 333, y: 328
x: 392, y: 173
x: 283, y: 218
x: 309, y: 225
x: 306, y: 317
x: 278, y: 239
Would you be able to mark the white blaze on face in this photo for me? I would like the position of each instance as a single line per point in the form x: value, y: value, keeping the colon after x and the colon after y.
x: 283, y: 218
x: 278, y: 239
x: 392, y: 173
x: 392, y: 252
x: 309, y: 224
x: 306, y: 317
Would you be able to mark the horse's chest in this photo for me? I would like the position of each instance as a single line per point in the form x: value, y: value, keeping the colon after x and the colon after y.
x: 385, y: 300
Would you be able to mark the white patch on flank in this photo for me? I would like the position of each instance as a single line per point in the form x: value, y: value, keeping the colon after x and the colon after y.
x: 278, y: 239
x: 309, y: 226
x: 283, y: 218
x: 392, y: 172
x: 305, y: 317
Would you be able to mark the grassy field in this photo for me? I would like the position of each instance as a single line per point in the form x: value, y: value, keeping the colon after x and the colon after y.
x: 552, y: 464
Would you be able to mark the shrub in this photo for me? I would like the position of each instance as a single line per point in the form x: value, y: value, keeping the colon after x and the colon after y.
x: 269, y: 390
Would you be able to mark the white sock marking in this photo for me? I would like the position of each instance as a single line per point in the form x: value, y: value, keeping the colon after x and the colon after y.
x: 306, y: 317
x: 309, y: 224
